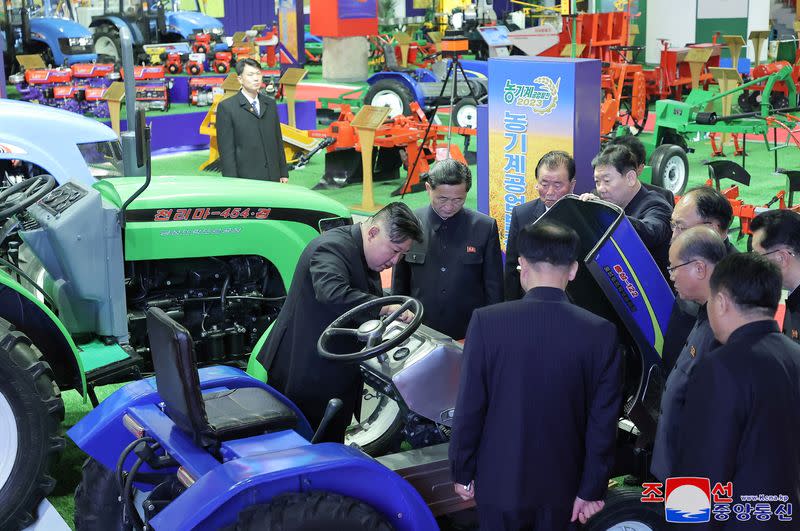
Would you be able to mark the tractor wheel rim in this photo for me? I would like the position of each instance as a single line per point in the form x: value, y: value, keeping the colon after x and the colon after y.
x: 467, y: 116
x: 388, y: 98
x: 375, y: 425
x: 105, y: 46
x: 630, y: 525
x: 674, y: 174
x: 8, y: 440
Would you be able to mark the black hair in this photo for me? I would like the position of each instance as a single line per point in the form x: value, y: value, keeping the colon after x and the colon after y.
x: 248, y: 61
x: 700, y: 242
x: 781, y: 227
x: 549, y: 241
x: 557, y: 159
x: 449, y: 172
x: 400, y: 222
x: 752, y: 281
x: 711, y: 205
x: 620, y: 157
x: 632, y: 143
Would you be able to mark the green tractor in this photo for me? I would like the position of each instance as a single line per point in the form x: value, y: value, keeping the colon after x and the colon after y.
x: 81, y: 264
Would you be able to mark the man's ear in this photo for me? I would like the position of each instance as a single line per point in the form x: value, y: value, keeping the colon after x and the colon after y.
x: 573, y: 270
x: 631, y: 177
x: 373, y: 232
x: 702, y: 270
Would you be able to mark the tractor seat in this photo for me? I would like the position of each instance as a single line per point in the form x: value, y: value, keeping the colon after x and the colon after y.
x: 213, y: 417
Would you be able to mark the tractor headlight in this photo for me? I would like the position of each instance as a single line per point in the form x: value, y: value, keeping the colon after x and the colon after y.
x: 214, y: 31
x: 331, y: 223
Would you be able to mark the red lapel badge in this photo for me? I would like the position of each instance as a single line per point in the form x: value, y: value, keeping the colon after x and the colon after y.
x: 471, y: 249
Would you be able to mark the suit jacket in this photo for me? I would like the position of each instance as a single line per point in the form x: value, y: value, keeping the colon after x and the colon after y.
x: 698, y: 344
x: 457, y: 268
x: 331, y: 278
x: 650, y: 215
x: 250, y: 146
x: 741, y: 421
x: 791, y: 320
x: 521, y: 216
x: 536, y: 416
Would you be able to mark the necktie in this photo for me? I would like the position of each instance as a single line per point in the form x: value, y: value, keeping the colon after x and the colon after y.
x: 254, y: 105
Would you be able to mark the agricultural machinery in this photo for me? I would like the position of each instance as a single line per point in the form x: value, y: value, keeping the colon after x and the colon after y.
x: 215, y: 254
x: 152, y: 87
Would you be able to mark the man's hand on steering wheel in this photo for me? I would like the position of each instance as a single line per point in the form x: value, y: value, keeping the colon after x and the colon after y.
x: 405, y: 317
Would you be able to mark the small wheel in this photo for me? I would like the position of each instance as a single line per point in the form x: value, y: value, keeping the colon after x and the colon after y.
x: 221, y: 68
x: 624, y: 511
x: 465, y: 113
x: 390, y: 93
x: 379, y: 432
x: 670, y: 168
x: 193, y: 69
x: 97, y: 504
x: 173, y: 69
x: 201, y: 48
x: 744, y: 102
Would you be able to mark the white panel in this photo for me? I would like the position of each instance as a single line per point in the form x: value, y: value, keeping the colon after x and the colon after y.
x: 669, y: 19
x: 757, y: 20
x: 721, y: 9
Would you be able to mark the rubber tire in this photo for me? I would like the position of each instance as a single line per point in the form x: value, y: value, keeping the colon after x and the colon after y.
x: 111, y: 32
x: 625, y: 505
x: 26, y: 382
x: 173, y: 69
x: 464, y: 102
x: 222, y: 68
x: 311, y: 511
x: 97, y: 505
x: 389, y: 441
x: 193, y: 70
x: 658, y: 161
x: 397, y: 87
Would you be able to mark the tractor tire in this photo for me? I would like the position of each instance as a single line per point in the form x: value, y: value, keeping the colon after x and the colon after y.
x: 97, y: 503
x: 670, y: 168
x: 311, y: 511
x: 173, y: 69
x: 624, y: 511
x: 31, y: 412
x: 381, y: 432
x: 106, y: 42
x: 392, y: 94
x: 465, y: 113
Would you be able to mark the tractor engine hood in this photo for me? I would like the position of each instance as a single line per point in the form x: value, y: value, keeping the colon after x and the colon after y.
x: 64, y: 28
x: 186, y: 22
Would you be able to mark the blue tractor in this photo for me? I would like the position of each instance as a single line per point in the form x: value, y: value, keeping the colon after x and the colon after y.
x: 47, y: 28
x: 160, y: 21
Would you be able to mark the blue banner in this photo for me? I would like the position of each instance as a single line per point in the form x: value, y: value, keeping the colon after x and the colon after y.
x: 357, y: 9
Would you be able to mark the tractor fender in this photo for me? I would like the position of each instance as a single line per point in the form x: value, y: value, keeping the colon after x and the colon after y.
x: 215, y: 500
x: 119, y: 23
x: 32, y: 317
x: 400, y: 77
x: 49, y: 30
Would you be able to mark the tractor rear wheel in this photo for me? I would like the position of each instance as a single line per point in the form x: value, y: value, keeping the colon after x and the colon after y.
x: 392, y: 94
x: 624, y: 511
x: 670, y: 168
x: 465, y: 113
x: 311, y: 511
x: 106, y: 42
x: 97, y: 503
x: 31, y: 412
x: 380, y: 432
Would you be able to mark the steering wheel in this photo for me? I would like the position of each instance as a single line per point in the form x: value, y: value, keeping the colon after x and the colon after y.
x: 20, y: 196
x: 371, y: 332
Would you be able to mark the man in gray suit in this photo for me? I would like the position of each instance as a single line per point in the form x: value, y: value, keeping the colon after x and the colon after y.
x: 249, y: 131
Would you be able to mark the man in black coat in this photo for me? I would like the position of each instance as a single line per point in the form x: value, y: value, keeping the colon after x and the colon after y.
x: 692, y: 256
x: 535, y: 421
x: 617, y: 182
x: 337, y: 271
x: 741, y: 420
x: 555, y: 178
x: 458, y: 266
x: 249, y: 132
x: 776, y: 235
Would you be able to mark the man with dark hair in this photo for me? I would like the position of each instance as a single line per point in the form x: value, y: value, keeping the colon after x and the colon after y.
x: 640, y: 154
x: 741, y: 420
x: 535, y: 421
x: 555, y: 178
x: 337, y: 271
x: 617, y: 182
x: 776, y: 235
x: 692, y: 257
x: 457, y: 266
x: 249, y: 132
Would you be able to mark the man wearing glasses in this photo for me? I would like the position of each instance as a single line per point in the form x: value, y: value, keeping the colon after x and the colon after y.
x: 776, y: 235
x: 692, y: 256
x: 457, y: 267
x: 555, y: 178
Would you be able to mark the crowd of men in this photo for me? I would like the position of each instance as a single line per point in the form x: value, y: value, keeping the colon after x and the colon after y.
x: 540, y: 396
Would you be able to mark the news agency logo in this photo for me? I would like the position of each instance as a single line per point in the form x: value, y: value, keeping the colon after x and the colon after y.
x: 687, y: 500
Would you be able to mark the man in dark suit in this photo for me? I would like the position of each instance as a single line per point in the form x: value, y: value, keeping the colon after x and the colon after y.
x: 701, y: 206
x: 457, y: 267
x: 555, y: 178
x: 535, y: 421
x: 640, y: 154
x: 617, y: 182
x: 249, y: 132
x: 741, y: 421
x: 337, y: 271
x: 776, y: 235
x: 692, y: 256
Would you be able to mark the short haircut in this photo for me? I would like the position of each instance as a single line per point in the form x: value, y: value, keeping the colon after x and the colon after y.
x: 549, y: 241
x: 621, y: 158
x: 449, y: 172
x: 700, y: 242
x: 632, y: 143
x: 400, y: 222
x: 781, y: 227
x: 553, y: 160
x: 711, y: 205
x: 249, y: 61
x: 752, y: 282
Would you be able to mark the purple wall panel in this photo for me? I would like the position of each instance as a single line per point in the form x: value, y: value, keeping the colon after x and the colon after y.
x: 240, y: 15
